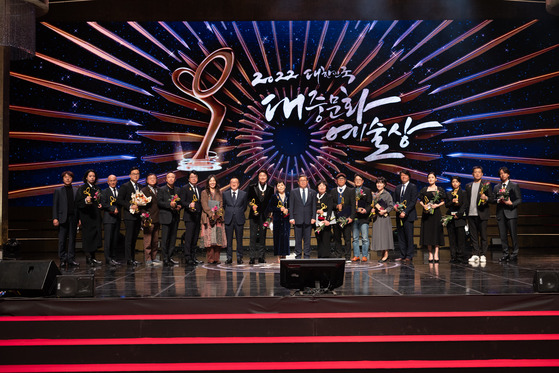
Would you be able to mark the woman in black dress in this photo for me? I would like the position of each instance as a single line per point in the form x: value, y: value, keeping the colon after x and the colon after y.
x: 324, y: 215
x: 431, y: 198
x: 87, y: 202
x: 280, y: 218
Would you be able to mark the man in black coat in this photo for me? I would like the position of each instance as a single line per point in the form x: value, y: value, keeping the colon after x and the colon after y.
x: 344, y: 199
x: 132, y: 220
x: 235, y: 204
x: 190, y: 201
x: 65, y: 217
x: 478, y: 193
x: 259, y: 196
x: 169, y: 216
x: 507, y: 196
x: 407, y: 192
x: 111, y: 220
x: 302, y: 207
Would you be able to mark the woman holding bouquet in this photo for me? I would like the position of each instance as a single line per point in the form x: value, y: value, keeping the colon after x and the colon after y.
x: 88, y: 204
x: 212, y: 228
x: 382, y: 225
x: 280, y: 218
x: 431, y: 198
x: 324, y: 215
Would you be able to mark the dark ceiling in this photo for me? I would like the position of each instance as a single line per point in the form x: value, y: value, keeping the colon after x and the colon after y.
x: 243, y: 10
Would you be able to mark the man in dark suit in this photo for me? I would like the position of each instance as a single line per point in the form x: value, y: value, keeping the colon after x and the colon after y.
x: 65, y: 217
x: 457, y: 205
x: 407, y: 192
x: 363, y: 200
x: 151, y: 232
x: 132, y: 220
x: 478, y: 193
x: 235, y: 204
x: 169, y: 217
x: 507, y: 196
x: 111, y: 220
x: 344, y: 198
x: 259, y: 196
x: 302, y: 206
x: 190, y: 201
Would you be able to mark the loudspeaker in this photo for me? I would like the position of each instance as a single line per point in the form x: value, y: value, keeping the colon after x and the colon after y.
x: 546, y: 282
x: 33, y: 278
x: 70, y: 286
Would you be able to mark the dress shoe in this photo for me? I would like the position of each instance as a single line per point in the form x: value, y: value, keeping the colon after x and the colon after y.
x: 400, y: 259
x: 229, y: 261
x: 408, y: 260
x: 504, y: 258
x: 436, y: 260
x: 355, y: 259
x: 252, y: 261
x: 63, y: 264
x: 133, y: 263
x: 174, y: 262
x: 73, y: 263
x: 261, y: 260
x: 191, y: 263
x: 383, y: 260
x: 112, y: 262
x: 240, y: 261
x: 431, y: 261
x: 92, y: 261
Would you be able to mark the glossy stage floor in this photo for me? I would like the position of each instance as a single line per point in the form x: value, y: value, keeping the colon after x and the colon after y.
x: 361, y: 279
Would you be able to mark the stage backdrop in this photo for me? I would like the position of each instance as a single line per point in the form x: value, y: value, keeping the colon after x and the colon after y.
x: 317, y: 97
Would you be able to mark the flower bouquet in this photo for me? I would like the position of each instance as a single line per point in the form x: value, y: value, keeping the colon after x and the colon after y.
x: 176, y: 199
x: 373, y: 212
x: 268, y: 222
x: 446, y: 219
x: 342, y: 221
x: 146, y: 219
x: 430, y: 203
x: 138, y: 199
x: 400, y: 207
x: 482, y: 190
x: 503, y: 195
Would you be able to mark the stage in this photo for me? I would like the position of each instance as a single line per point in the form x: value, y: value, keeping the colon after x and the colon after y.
x: 389, y: 316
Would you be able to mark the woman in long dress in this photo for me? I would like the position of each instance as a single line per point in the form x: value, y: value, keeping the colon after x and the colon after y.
x: 212, y: 228
x: 87, y: 202
x: 280, y: 218
x: 324, y: 215
x: 431, y: 198
x: 382, y: 239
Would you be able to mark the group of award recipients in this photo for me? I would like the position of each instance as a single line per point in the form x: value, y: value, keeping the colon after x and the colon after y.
x: 342, y: 214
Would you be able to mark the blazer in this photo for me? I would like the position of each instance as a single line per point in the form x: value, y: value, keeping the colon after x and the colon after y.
x: 186, y: 195
x: 460, y: 209
x: 152, y: 208
x: 302, y: 213
x: 509, y: 212
x: 364, y: 202
x: 123, y: 200
x: 330, y: 205
x: 109, y: 205
x: 235, y: 210
x: 348, y: 210
x: 60, y: 204
x: 166, y: 212
x: 410, y: 196
x: 482, y: 209
x: 261, y: 201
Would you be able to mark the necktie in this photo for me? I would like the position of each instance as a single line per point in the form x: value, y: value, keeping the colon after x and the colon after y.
x: 505, y: 186
x: 135, y: 187
x: 114, y: 192
x: 305, y: 196
x: 403, y: 191
x: 234, y: 197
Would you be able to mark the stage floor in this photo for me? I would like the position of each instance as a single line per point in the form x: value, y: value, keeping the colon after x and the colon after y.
x: 362, y: 279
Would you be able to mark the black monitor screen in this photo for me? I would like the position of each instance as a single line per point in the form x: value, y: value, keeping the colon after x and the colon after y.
x: 312, y: 273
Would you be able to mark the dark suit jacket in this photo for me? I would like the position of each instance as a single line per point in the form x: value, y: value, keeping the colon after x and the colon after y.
x: 166, y: 212
x: 108, y: 207
x: 235, y: 210
x: 510, y: 212
x: 364, y: 202
x: 482, y: 209
x: 261, y: 202
x: 302, y: 213
x: 348, y: 209
x: 186, y: 195
x: 330, y: 205
x: 152, y: 208
x: 460, y: 209
x: 60, y: 204
x: 123, y: 200
x: 410, y: 196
